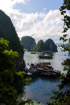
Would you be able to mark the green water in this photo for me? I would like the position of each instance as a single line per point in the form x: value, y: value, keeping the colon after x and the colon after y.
x: 40, y: 89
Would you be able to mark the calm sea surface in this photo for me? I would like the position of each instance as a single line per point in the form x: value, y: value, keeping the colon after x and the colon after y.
x: 40, y: 89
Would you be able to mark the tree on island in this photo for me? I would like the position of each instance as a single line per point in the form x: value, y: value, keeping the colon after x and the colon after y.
x: 62, y: 97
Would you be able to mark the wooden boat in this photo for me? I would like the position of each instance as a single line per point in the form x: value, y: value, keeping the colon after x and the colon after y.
x: 63, y: 63
x: 49, y: 73
x: 29, y: 49
x: 44, y: 56
x: 43, y: 69
x: 45, y: 65
x: 48, y: 52
x: 47, y: 70
x: 32, y: 52
x: 32, y: 74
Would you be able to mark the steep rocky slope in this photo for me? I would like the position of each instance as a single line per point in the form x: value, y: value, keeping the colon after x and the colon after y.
x: 7, y: 31
x: 28, y: 42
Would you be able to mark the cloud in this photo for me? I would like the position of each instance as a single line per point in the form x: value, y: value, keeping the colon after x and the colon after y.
x: 38, y: 25
x: 8, y: 5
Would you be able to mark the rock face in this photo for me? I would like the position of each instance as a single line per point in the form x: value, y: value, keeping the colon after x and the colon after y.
x: 50, y: 45
x: 28, y: 42
x: 40, y: 46
x: 7, y: 31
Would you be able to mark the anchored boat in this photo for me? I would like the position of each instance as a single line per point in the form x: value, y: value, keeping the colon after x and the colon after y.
x: 46, y: 55
x: 42, y: 69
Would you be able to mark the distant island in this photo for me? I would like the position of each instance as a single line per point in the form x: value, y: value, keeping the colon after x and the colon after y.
x: 40, y: 46
x: 29, y: 43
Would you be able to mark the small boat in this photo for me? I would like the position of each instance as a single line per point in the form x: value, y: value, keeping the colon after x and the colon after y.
x: 50, y: 73
x: 47, y: 70
x: 46, y: 55
x: 29, y: 49
x: 45, y: 65
x: 63, y: 63
x: 33, y: 52
x: 28, y: 74
x: 43, y: 69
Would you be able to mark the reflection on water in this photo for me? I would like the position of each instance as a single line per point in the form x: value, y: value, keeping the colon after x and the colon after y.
x: 40, y: 89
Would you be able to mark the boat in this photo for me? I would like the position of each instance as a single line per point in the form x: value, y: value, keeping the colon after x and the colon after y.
x: 46, y: 55
x: 49, y: 73
x: 29, y: 49
x: 43, y: 69
x: 46, y: 70
x: 45, y: 65
x: 32, y: 71
x: 64, y: 62
x: 33, y: 52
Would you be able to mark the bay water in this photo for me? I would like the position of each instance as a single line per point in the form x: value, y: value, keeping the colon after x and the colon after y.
x: 40, y: 89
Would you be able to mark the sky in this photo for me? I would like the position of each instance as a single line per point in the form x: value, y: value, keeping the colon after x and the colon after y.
x: 40, y: 19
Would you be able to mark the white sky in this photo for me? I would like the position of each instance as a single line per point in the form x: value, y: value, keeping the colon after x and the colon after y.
x: 40, y: 25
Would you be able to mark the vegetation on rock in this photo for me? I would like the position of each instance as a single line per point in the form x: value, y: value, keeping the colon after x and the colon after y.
x: 7, y: 31
x: 40, y: 46
x: 28, y: 42
x: 49, y: 45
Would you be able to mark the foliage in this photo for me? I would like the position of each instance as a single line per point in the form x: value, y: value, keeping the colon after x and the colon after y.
x: 62, y: 97
x: 11, y: 82
x: 24, y: 102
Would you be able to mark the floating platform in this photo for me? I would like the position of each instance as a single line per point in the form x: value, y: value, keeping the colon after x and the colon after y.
x: 43, y: 70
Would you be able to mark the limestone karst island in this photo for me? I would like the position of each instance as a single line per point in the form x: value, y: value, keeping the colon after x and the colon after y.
x: 34, y: 52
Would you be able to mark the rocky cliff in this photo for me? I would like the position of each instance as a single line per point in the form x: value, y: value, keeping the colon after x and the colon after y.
x: 48, y: 45
x: 28, y: 42
x: 7, y: 31
x: 40, y: 46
